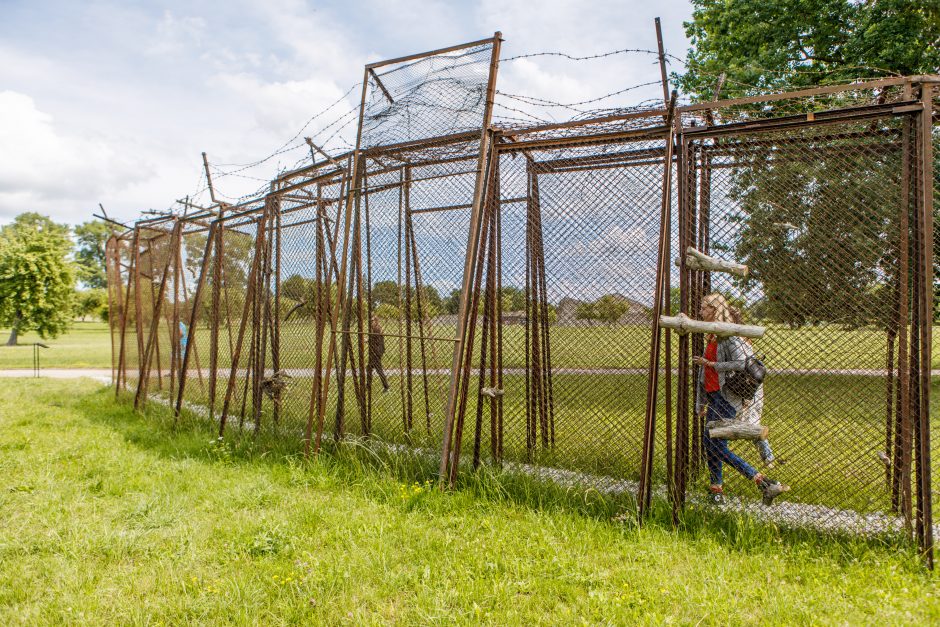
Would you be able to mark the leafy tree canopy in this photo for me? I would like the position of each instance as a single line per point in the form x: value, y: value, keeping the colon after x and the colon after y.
x: 90, y: 240
x: 36, y: 277
x: 765, y: 45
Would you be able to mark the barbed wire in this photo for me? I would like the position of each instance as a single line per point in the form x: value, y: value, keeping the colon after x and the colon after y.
x: 574, y: 58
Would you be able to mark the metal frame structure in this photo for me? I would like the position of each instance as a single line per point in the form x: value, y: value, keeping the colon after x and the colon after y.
x: 342, y: 212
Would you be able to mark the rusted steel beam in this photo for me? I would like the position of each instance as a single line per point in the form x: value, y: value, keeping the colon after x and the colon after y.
x: 465, y: 317
x: 194, y: 319
x: 644, y: 491
x: 235, y: 354
x: 158, y: 306
x: 430, y: 53
x: 925, y: 303
x: 381, y: 86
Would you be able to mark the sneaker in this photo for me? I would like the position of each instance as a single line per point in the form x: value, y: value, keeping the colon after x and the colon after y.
x: 771, y: 489
x: 716, y: 496
x: 769, y: 464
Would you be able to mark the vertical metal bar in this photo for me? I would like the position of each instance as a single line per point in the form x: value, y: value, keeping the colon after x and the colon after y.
x: 902, y: 449
x: 236, y: 352
x: 321, y: 321
x: 131, y: 280
x: 214, y: 320
x: 276, y: 341
x: 473, y: 245
x: 424, y: 331
x: 925, y: 226
x: 352, y: 191
x: 644, y: 493
x: 409, y: 385
x: 154, y: 326
x: 401, y: 300
x: 468, y: 355
x: 194, y: 315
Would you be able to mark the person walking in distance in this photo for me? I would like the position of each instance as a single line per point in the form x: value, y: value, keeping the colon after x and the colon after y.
x: 376, y: 351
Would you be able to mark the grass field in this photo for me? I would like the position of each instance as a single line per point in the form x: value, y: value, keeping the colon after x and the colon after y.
x: 112, y: 517
x: 86, y: 345
x: 831, y: 444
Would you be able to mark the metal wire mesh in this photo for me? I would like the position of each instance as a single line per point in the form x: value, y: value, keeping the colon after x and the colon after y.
x: 491, y: 291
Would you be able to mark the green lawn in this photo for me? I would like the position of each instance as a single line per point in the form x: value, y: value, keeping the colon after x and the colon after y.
x: 112, y: 517
x: 828, y: 428
x: 86, y: 345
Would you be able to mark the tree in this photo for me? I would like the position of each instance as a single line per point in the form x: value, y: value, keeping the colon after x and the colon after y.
x: 238, y: 253
x: 90, y: 302
x: 385, y: 293
x: 585, y: 311
x: 825, y: 221
x: 90, y: 241
x: 513, y: 299
x: 36, y: 277
x: 609, y: 308
x: 765, y: 45
x: 451, y: 304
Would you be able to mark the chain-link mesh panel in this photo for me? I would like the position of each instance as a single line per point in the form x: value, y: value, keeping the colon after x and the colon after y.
x: 432, y: 96
x: 818, y: 216
x: 577, y: 239
x: 330, y: 306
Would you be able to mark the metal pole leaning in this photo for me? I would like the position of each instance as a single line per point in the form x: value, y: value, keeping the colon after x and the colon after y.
x: 194, y: 316
x: 644, y: 490
x: 352, y: 190
x: 470, y: 261
x: 158, y: 306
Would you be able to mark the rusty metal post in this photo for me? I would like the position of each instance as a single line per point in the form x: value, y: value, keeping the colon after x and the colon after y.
x: 236, y: 353
x: 925, y: 305
x: 194, y: 316
x: 464, y: 314
x: 644, y: 492
x: 152, y: 343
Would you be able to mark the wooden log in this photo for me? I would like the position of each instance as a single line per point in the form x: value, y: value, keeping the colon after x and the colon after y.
x: 697, y: 260
x: 736, y: 430
x: 683, y: 324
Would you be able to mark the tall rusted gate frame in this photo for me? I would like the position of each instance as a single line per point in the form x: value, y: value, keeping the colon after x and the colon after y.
x: 275, y: 295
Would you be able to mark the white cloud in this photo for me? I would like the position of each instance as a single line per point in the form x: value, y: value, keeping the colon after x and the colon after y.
x: 39, y: 163
x: 108, y: 87
x: 174, y: 35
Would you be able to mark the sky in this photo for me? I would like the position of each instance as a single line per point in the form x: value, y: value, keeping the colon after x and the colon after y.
x: 114, y: 102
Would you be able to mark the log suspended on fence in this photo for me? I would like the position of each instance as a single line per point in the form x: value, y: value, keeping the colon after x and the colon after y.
x: 683, y: 324
x: 736, y: 430
x: 697, y: 260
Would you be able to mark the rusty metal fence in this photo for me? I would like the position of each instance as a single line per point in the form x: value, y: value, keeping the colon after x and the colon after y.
x: 494, y: 292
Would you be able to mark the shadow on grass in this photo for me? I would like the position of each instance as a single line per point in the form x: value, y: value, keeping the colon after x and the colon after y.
x: 368, y: 467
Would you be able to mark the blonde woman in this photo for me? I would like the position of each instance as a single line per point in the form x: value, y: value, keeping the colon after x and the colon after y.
x: 723, y: 355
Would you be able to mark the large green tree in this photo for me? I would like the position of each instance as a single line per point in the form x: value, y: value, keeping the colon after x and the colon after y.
x: 90, y: 241
x: 818, y: 231
x: 36, y: 277
x: 765, y: 45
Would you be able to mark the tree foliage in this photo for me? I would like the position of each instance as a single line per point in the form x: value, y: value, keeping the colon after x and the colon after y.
x: 90, y: 302
x: 90, y: 241
x: 816, y: 232
x: 36, y: 277
x: 786, y: 44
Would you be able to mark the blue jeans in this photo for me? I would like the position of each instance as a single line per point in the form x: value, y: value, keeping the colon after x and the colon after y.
x: 716, y: 450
